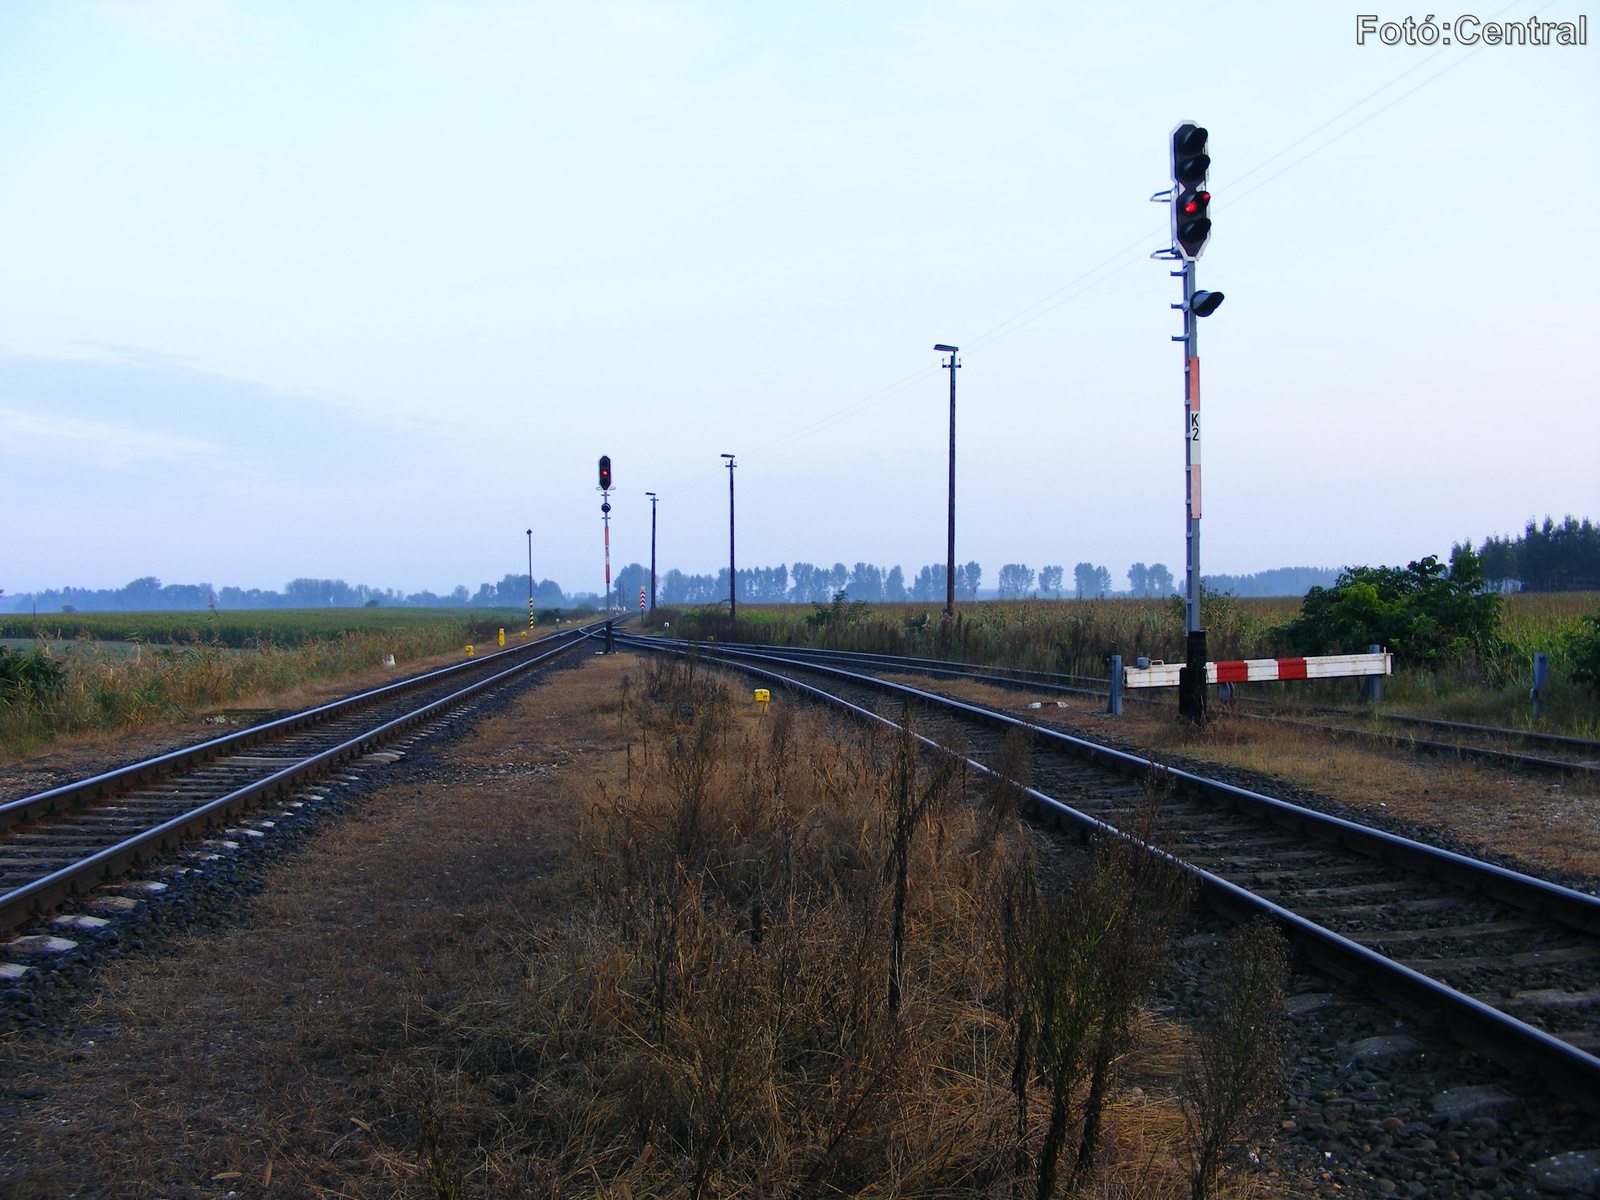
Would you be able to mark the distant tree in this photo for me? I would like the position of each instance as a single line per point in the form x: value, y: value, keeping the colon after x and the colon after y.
x: 1499, y: 558
x: 929, y: 584
x: 1050, y: 580
x: 969, y: 576
x: 1102, y: 582
x: 1015, y: 581
x: 866, y: 583
x: 894, y: 585
x: 1085, y: 579
x: 628, y: 583
x: 1138, y: 580
x: 1560, y: 558
x: 808, y: 584
x: 1160, y: 581
x: 838, y: 579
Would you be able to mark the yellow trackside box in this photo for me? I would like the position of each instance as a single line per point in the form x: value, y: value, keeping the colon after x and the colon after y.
x: 469, y: 651
x: 502, y: 637
x: 763, y: 697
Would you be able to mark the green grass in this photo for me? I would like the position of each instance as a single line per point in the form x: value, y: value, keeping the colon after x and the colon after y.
x: 185, y: 663
x: 255, y: 627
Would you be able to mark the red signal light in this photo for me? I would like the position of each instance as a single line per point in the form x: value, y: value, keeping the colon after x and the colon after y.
x: 1191, y: 207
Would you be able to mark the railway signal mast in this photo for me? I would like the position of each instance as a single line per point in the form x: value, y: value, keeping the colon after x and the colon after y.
x: 605, y: 517
x: 1191, y: 230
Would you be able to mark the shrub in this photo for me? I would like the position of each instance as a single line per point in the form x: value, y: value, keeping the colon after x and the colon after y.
x: 1585, y: 654
x: 1425, y: 613
x: 32, y: 677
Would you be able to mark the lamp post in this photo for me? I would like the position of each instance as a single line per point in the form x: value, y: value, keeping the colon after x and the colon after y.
x: 653, y: 499
x: 733, y: 575
x: 951, y: 365
x: 530, y: 581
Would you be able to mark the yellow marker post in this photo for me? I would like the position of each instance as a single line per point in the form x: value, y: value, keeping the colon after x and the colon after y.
x: 763, y: 698
x: 502, y: 637
x: 469, y: 650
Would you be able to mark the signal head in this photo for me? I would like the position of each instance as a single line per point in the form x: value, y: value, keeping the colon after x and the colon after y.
x: 1206, y: 303
x: 1190, y: 162
x: 1191, y: 226
x: 605, y: 472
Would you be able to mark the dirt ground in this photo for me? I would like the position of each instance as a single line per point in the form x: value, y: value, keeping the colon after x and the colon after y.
x: 272, y: 1055
x: 1548, y: 822
x: 78, y: 756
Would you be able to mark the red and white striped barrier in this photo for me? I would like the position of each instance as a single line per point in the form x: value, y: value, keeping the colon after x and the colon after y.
x: 1265, y: 670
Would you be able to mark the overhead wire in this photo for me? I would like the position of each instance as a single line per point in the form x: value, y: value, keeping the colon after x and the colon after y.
x: 1125, y: 257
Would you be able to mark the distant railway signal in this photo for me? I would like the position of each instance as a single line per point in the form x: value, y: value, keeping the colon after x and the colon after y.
x: 605, y: 472
x: 1191, y: 201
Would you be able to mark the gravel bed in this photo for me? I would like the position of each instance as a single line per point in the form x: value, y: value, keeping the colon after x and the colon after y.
x: 182, y: 894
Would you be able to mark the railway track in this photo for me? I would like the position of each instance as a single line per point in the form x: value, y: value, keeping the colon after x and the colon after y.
x: 1507, y: 963
x: 1583, y: 755
x: 64, y: 842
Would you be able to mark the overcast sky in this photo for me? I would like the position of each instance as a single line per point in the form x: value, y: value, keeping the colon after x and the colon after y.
x: 363, y: 290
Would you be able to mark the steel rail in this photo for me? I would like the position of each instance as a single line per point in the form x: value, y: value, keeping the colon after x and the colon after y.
x: 72, y: 795
x: 1523, y: 1049
x: 1019, y: 674
x: 1412, y: 742
x: 19, y: 904
x: 1580, y: 910
x: 1527, y: 735
x: 1037, y: 681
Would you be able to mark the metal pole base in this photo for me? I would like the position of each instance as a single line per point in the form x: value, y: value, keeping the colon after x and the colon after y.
x: 611, y: 641
x: 1192, y: 678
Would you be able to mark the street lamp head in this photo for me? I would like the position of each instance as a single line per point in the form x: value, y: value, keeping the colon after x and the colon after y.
x: 1206, y: 303
x: 943, y: 349
x: 728, y: 456
x: 652, y: 495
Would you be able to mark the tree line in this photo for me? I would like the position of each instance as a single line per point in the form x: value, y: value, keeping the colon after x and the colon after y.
x: 148, y: 594
x: 1545, y: 558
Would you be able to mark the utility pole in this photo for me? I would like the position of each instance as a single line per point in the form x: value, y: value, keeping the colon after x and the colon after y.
x: 605, y: 517
x: 950, y: 365
x: 653, y: 499
x: 733, y: 575
x: 530, y: 581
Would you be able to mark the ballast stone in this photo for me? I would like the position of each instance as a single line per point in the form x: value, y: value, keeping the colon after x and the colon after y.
x: 1573, y: 1174
x: 1385, y: 1047
x: 1458, y: 1106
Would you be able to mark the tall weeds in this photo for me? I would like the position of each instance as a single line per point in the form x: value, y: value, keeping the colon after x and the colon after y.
x: 1238, y: 1067
x: 793, y: 958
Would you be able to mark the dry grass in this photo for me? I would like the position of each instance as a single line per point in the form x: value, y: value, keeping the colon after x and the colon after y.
x: 618, y: 949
